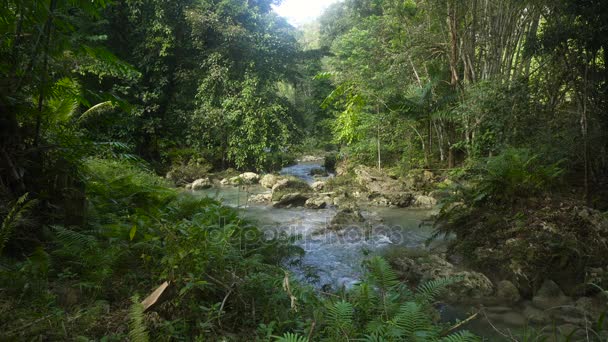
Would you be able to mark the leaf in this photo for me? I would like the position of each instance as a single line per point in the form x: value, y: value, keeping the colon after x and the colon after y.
x: 132, y: 232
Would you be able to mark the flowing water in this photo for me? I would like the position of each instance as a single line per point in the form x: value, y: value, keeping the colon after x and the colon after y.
x: 332, y: 259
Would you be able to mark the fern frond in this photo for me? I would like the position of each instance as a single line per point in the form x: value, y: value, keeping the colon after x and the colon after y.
x: 427, y: 292
x: 13, y: 218
x: 291, y: 337
x: 412, y: 320
x: 137, y: 326
x: 381, y: 274
x: 340, y: 317
x: 461, y: 336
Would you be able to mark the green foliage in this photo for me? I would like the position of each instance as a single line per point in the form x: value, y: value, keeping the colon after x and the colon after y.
x: 382, y: 309
x: 14, y: 218
x: 137, y: 326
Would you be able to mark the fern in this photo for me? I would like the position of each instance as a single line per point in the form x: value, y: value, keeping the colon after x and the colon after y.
x: 381, y: 274
x: 340, y: 317
x: 137, y: 326
x: 290, y: 337
x: 413, y: 321
x: 460, y: 336
x: 13, y: 219
x: 427, y: 292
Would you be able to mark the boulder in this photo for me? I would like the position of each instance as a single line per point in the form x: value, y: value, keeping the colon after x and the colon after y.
x: 202, y: 183
x: 392, y: 199
x: 549, y: 296
x: 472, y: 287
x: 188, y: 186
x: 225, y: 181
x: 507, y: 292
x: 318, y: 186
x: 249, y: 177
x: 317, y: 202
x: 345, y: 218
x: 344, y: 201
x: 377, y: 181
x: 289, y: 186
x: 261, y: 198
x: 424, y: 202
x: 290, y: 200
x: 236, y: 180
x: 269, y: 180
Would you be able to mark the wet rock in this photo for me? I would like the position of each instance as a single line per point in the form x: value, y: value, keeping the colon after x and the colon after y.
x: 507, y: 292
x: 317, y: 203
x: 289, y: 186
x: 345, y: 218
x: 200, y: 184
x: 290, y: 200
x: 225, y: 181
x: 249, y: 177
x: 261, y: 198
x: 424, y: 202
x: 318, y: 186
x: 549, y: 296
x: 269, y: 180
x: 188, y: 186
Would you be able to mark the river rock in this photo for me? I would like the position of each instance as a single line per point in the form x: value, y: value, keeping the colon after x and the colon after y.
x: 318, y: 186
x: 424, y: 202
x: 225, y: 181
x: 345, y: 218
x: 343, y: 201
x: 376, y: 181
x: 202, y: 183
x: 290, y: 200
x: 188, y: 186
x: 317, y: 202
x: 289, y: 186
x: 269, y: 180
x: 472, y: 287
x: 507, y: 292
x: 261, y: 198
x: 249, y: 177
x: 549, y: 296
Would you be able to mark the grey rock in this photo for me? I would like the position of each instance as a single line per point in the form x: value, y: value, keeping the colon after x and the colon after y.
x: 200, y: 184
x: 507, y: 292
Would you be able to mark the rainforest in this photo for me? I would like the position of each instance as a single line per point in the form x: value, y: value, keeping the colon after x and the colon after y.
x: 391, y: 170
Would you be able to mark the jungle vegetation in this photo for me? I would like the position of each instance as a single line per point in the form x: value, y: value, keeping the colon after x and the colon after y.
x: 99, y: 99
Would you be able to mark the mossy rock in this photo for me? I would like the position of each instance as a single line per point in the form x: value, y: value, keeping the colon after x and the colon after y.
x: 289, y: 185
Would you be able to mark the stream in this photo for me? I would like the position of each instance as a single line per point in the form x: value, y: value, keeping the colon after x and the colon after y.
x: 332, y: 259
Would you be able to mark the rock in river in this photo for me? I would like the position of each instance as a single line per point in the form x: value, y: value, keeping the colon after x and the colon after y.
x: 200, y: 184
